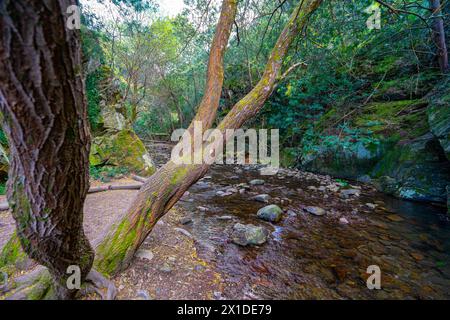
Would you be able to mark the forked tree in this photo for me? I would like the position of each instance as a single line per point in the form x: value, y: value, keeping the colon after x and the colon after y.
x: 43, y: 104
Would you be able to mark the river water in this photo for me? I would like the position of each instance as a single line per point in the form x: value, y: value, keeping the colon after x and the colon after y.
x: 319, y: 257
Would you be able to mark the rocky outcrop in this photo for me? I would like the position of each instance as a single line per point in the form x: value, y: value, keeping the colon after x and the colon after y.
x: 249, y: 234
x: 439, y: 114
x: 121, y: 149
x: 402, y: 146
x: 414, y: 170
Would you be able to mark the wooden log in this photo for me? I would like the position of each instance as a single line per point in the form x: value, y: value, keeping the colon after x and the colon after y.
x: 4, y: 205
x: 138, y: 178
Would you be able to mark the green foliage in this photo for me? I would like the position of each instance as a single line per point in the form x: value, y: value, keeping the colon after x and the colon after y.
x: 106, y: 173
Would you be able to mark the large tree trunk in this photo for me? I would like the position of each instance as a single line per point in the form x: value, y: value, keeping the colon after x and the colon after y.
x: 165, y: 187
x: 439, y: 35
x: 45, y: 118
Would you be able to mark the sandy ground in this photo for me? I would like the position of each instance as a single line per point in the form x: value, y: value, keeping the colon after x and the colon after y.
x: 174, y: 272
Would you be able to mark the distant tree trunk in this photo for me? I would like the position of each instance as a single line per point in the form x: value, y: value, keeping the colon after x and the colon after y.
x: 439, y: 35
x: 45, y: 118
x: 165, y: 187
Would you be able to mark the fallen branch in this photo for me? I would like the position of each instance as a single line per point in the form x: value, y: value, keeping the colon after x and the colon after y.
x: 4, y: 205
x: 138, y: 178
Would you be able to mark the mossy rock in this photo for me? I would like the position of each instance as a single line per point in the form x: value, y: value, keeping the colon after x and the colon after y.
x: 343, y: 162
x: 417, y: 170
x: 121, y: 149
x: 402, y: 118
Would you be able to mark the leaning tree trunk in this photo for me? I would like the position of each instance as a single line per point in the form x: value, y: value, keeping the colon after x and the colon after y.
x: 439, y: 35
x: 45, y: 118
x: 165, y: 187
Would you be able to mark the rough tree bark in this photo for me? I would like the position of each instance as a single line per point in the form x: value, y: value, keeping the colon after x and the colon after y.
x: 165, y: 187
x: 45, y: 118
x: 439, y: 35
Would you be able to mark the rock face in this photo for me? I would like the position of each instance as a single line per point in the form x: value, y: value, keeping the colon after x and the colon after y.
x: 390, y: 144
x: 417, y: 170
x: 272, y: 213
x: 249, y: 234
x: 122, y: 149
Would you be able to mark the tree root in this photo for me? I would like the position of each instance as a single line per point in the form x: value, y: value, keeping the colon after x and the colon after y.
x: 96, y: 282
x: 38, y: 285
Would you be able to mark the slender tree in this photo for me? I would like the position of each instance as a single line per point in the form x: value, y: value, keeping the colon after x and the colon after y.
x: 439, y: 35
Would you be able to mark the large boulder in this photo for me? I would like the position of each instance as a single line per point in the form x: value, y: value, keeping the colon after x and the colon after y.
x: 121, y: 149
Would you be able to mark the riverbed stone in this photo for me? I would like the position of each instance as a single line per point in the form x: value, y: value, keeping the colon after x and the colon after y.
x: 262, y: 198
x: 317, y: 211
x: 272, y: 213
x: 144, y: 254
x: 186, y: 220
x: 249, y: 234
x: 256, y: 182
x: 346, y: 193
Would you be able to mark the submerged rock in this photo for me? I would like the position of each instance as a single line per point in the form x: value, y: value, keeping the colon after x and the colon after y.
x: 272, y: 213
x: 315, y: 211
x: 249, y: 234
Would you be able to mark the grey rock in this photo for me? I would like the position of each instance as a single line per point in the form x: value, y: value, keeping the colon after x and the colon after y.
x: 350, y: 192
x: 262, y: 198
x: 185, y: 232
x: 224, y: 218
x: 371, y: 205
x: 143, y: 295
x: 364, y: 179
x: 166, y: 268
x: 249, y: 234
x: 343, y: 220
x: 185, y: 220
x: 272, y: 213
x: 256, y: 182
x: 144, y: 254
x: 315, y: 210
